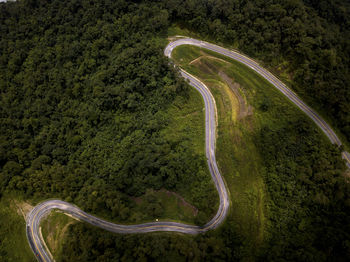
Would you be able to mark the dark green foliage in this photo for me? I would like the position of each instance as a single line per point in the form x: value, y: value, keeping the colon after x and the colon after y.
x: 103, y: 246
x: 308, y: 211
x: 308, y: 195
x: 313, y: 36
x: 84, y: 91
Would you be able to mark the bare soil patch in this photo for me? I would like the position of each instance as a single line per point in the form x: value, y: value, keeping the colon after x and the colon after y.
x: 244, y: 108
x: 23, y: 208
x: 204, y: 65
x: 56, y: 234
x: 182, y: 201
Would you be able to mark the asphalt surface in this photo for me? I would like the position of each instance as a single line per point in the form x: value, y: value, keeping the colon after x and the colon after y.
x: 269, y: 77
x: 40, y: 211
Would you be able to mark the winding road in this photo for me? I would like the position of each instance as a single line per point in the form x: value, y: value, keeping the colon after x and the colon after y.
x: 34, y: 218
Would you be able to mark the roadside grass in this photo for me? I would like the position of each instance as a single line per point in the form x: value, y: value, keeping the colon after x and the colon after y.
x: 13, y: 240
x: 281, y: 70
x: 166, y: 206
x: 237, y: 155
x: 54, y: 228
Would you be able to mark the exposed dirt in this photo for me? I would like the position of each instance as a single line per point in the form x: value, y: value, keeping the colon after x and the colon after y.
x: 244, y: 108
x: 347, y: 175
x: 190, y: 114
x: 23, y: 208
x: 195, y: 60
x: 204, y: 65
x: 203, y: 55
x: 182, y: 201
x: 55, y: 235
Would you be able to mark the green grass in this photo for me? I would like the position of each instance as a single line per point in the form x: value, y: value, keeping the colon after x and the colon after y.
x: 13, y: 240
x: 176, y: 30
x: 238, y: 158
x: 170, y: 207
x: 54, y: 228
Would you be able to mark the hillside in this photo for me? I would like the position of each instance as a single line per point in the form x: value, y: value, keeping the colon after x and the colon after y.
x: 91, y: 112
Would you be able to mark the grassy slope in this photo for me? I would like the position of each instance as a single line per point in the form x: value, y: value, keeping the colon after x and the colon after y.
x: 281, y: 71
x: 13, y: 240
x: 187, y: 123
x: 54, y: 228
x: 237, y: 155
x: 171, y: 207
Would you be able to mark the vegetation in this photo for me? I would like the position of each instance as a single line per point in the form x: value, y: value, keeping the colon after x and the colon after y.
x: 88, y: 107
x: 92, y: 113
x: 237, y: 155
x: 266, y: 149
x: 54, y: 228
x: 306, y: 42
x: 13, y: 240
x: 276, y: 201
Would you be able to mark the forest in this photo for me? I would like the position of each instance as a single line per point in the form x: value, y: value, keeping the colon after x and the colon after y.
x: 85, y: 92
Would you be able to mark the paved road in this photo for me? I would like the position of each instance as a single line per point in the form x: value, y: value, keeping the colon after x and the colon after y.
x: 35, y: 216
x: 269, y: 77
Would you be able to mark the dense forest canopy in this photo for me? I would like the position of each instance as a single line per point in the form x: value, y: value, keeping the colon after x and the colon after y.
x: 85, y: 89
x: 84, y: 95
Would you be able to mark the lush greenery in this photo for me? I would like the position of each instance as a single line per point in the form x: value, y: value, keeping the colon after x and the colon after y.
x: 54, y: 228
x: 92, y: 113
x: 268, y: 150
x: 288, y: 190
x: 236, y: 154
x: 306, y: 42
x: 87, y: 109
x: 13, y: 240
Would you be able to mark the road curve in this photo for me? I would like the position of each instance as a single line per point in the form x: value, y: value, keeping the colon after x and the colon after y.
x: 35, y: 216
x: 269, y: 77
